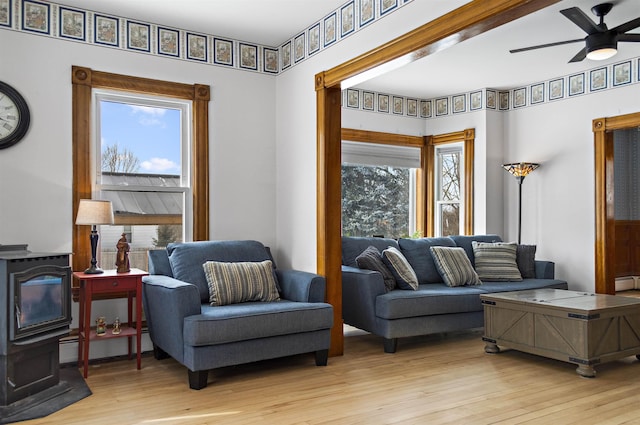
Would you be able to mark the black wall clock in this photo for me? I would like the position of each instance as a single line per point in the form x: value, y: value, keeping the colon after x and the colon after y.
x: 14, y: 116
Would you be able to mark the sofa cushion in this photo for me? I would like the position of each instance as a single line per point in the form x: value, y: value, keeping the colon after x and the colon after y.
x: 231, y: 283
x: 454, y: 266
x: 417, y: 253
x: 186, y: 259
x: 352, y: 246
x: 496, y: 261
x: 240, y: 322
x: 400, y: 268
x: 371, y: 259
x: 526, y: 260
x: 464, y: 242
x: 429, y: 299
x: 523, y: 285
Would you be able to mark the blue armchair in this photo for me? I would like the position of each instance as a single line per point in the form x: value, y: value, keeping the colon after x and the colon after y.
x: 182, y: 323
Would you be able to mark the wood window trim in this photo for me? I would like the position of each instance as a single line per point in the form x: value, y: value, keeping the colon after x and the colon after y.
x: 395, y: 139
x: 466, y: 136
x: 604, y: 246
x: 84, y: 80
x: 470, y: 20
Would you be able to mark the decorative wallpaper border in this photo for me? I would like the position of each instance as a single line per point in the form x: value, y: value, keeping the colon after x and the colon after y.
x: 85, y: 26
x: 591, y: 81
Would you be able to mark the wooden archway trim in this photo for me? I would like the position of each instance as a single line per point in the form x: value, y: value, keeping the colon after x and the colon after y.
x: 605, y: 260
x: 470, y: 20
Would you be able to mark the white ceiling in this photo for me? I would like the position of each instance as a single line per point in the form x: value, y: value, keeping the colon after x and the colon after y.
x: 483, y: 61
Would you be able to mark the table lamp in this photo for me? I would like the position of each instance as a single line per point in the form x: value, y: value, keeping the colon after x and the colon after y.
x: 93, y: 212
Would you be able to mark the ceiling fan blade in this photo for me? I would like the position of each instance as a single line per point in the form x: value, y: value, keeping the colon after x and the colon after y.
x: 629, y: 37
x: 627, y: 26
x: 578, y: 17
x: 557, y: 43
x: 580, y: 56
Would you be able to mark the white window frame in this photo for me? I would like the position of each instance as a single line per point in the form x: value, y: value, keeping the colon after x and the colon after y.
x: 439, y: 151
x: 185, y: 106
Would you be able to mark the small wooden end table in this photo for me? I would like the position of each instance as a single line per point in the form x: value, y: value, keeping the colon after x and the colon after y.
x: 109, y: 282
x: 576, y: 327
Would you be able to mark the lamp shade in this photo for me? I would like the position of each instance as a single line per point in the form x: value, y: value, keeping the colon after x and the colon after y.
x: 520, y: 169
x: 93, y: 212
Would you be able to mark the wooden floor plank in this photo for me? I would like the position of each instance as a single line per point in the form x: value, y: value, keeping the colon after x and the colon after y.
x: 436, y: 379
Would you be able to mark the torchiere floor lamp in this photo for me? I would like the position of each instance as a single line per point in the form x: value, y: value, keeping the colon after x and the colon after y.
x: 520, y: 170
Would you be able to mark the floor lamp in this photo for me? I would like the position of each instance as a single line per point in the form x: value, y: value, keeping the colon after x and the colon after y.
x: 520, y: 170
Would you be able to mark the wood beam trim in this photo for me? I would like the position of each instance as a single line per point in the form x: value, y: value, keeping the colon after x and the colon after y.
x: 452, y: 28
x: 329, y: 200
x: 382, y: 138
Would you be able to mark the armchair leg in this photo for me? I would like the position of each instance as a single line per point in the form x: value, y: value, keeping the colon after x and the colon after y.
x: 198, y: 379
x: 390, y: 345
x: 322, y: 357
x: 159, y: 353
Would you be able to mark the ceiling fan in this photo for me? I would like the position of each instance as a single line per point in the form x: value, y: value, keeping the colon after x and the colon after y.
x: 600, y: 42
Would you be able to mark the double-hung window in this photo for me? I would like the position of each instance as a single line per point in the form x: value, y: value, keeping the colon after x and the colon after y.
x: 449, y: 183
x: 142, y: 158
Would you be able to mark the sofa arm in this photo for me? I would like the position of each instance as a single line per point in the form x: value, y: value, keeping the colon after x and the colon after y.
x: 360, y: 288
x: 545, y: 269
x: 167, y: 301
x: 301, y: 286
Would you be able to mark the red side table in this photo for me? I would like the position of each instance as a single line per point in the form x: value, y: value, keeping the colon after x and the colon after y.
x: 109, y: 282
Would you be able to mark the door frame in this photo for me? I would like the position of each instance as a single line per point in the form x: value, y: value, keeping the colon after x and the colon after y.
x: 605, y: 230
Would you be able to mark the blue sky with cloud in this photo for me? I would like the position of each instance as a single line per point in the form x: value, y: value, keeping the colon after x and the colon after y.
x: 151, y: 134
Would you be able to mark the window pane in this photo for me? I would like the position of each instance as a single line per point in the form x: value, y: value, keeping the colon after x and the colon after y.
x: 143, y: 238
x: 143, y: 140
x: 449, y: 219
x: 375, y: 201
x: 450, y: 176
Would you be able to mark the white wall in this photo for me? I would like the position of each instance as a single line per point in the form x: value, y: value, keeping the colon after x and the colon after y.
x: 36, y: 174
x: 296, y: 128
x: 558, y: 198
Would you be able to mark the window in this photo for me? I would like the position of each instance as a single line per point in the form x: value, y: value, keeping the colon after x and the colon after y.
x: 449, y: 187
x: 450, y: 183
x: 379, y: 186
x: 86, y: 184
x: 142, y: 159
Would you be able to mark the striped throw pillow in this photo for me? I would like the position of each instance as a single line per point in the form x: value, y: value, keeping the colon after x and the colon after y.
x: 454, y: 266
x: 231, y: 283
x: 496, y: 261
x: 400, y: 268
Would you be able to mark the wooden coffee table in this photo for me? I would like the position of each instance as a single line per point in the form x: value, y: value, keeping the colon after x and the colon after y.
x: 576, y: 327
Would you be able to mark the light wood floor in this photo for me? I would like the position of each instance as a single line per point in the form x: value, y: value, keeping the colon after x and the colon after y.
x: 437, y: 379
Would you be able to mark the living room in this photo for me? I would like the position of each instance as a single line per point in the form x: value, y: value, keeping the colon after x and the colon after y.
x: 275, y: 117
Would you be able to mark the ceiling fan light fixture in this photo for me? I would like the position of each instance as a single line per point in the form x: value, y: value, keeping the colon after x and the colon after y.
x: 602, y: 54
x: 601, y: 46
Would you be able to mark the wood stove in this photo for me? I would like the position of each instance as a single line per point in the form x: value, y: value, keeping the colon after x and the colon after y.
x: 35, y: 311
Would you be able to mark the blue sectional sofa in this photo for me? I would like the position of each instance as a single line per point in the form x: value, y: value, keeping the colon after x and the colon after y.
x: 184, y: 325
x: 433, y: 307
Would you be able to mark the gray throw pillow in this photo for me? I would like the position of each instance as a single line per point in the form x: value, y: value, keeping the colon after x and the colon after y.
x: 400, y: 268
x: 454, y: 266
x: 496, y: 261
x: 371, y: 259
x: 526, y: 260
